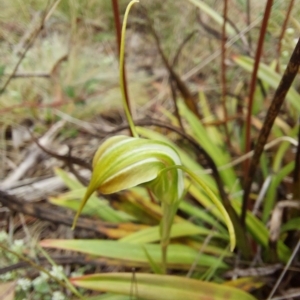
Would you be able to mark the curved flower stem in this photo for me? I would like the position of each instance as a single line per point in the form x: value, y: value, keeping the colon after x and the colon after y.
x: 215, y: 201
x: 122, y: 59
x: 169, y: 211
x: 115, y: 5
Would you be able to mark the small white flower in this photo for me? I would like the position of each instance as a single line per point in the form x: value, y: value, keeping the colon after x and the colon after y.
x: 290, y: 30
x: 285, y: 53
x: 19, y: 243
x: 58, y: 272
x: 58, y: 296
x: 41, y: 285
x: 7, y: 276
x: 24, y: 284
x: 18, y: 246
x: 3, y: 236
x: 44, y: 275
x: 38, y: 281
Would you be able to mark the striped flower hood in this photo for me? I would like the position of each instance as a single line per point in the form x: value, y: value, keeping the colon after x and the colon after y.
x: 123, y: 162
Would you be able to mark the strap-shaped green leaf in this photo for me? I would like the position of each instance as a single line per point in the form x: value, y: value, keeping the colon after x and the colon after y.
x: 159, y: 287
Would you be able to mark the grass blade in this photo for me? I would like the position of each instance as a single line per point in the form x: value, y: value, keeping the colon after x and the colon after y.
x: 160, y: 287
x: 178, y: 255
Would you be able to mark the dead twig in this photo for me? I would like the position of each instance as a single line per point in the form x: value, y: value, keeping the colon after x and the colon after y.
x: 33, y: 155
x: 59, y: 259
x: 68, y: 159
x: 51, y: 213
x: 254, y: 272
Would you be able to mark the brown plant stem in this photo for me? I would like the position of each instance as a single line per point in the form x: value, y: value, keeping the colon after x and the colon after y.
x: 296, y: 175
x: 49, y: 212
x: 173, y: 93
x: 258, y: 54
x: 223, y: 71
x: 248, y: 9
x: 117, y: 21
x: 280, y: 94
x: 181, y: 46
x: 296, y: 184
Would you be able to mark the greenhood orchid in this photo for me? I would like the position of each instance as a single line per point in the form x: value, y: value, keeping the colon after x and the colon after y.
x: 123, y: 162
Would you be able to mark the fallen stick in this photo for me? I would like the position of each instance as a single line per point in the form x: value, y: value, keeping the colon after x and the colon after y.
x: 51, y: 213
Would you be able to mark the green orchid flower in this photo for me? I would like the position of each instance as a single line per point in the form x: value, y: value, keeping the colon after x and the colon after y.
x: 123, y: 162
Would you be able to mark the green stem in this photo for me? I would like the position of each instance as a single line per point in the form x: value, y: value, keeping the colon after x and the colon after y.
x: 168, y: 214
x: 169, y: 211
x: 215, y: 201
x: 67, y: 282
x: 122, y: 66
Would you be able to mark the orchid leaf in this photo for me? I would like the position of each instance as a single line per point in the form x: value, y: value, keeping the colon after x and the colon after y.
x: 109, y: 296
x: 179, y: 256
x: 149, y: 235
x: 68, y: 179
x: 159, y: 287
x: 247, y: 283
x: 220, y: 156
x: 97, y: 206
